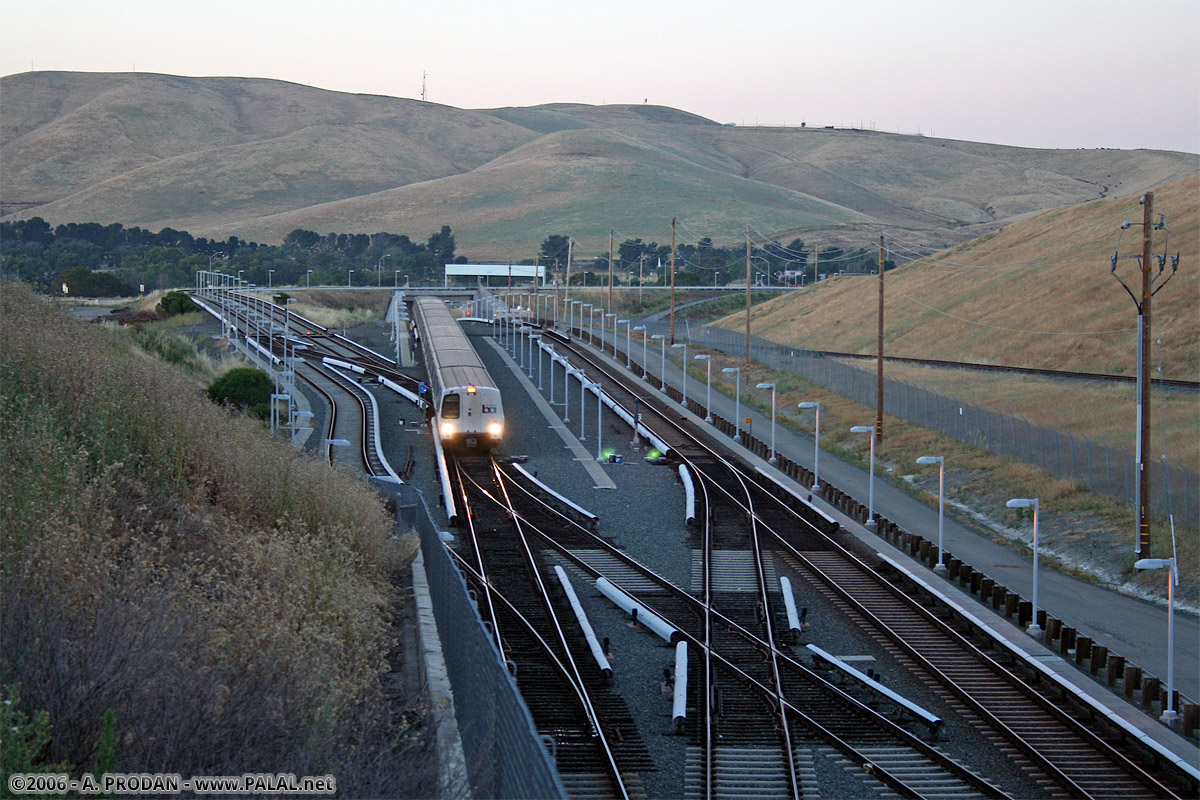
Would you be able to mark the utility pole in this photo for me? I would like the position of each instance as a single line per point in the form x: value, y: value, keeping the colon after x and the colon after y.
x: 567, y: 290
x: 1142, y: 301
x: 641, y: 264
x: 879, y: 358
x: 1143, y: 445
x: 610, y: 275
x: 673, y: 282
x: 747, y: 295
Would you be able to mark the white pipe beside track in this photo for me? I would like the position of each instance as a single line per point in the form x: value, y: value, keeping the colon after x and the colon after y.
x: 679, y: 701
x: 689, y: 491
x: 789, y: 603
x: 626, y: 602
x: 587, y: 514
x: 443, y: 473
x: 581, y: 617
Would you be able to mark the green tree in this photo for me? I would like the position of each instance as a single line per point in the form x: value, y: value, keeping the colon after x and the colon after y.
x: 242, y: 387
x: 176, y: 303
x: 441, y: 245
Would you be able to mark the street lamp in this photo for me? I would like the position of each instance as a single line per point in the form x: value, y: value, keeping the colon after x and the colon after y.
x: 645, y: 344
x: 662, y: 375
x: 707, y: 359
x: 1170, y: 564
x: 628, y: 341
x: 379, y: 269
x: 1023, y: 502
x: 270, y: 273
x: 871, y: 480
x: 536, y: 338
x: 685, y: 370
x: 736, y: 372
x: 816, y: 484
x: 613, y: 317
x: 581, y: 308
x: 592, y: 327
x: 308, y: 279
x: 941, y: 462
x: 396, y: 280
x: 771, y: 386
x: 349, y: 275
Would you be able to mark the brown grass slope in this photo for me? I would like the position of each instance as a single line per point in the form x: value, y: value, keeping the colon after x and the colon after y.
x: 1036, y: 315
x: 220, y: 156
x: 584, y: 181
x: 190, y: 152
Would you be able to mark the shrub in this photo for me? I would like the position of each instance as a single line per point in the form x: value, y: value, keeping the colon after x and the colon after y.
x: 176, y: 303
x: 243, y: 387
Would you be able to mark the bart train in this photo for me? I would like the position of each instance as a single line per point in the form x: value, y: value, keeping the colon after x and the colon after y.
x: 464, y: 400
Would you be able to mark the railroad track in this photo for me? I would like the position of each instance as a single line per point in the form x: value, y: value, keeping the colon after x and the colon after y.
x: 594, y: 741
x: 1067, y: 756
x: 736, y: 711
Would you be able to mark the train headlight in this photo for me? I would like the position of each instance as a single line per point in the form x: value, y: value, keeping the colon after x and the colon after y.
x: 447, y: 429
x: 495, y: 429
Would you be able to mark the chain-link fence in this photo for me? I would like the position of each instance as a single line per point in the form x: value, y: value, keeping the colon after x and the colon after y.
x: 1101, y: 468
x: 504, y: 753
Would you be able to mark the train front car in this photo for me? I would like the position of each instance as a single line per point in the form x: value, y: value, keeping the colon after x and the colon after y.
x: 466, y: 404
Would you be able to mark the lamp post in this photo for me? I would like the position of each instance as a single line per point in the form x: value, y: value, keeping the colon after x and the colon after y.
x: 707, y: 359
x: 270, y: 276
x: 816, y: 484
x: 871, y: 480
x: 662, y: 375
x: 685, y: 369
x: 771, y: 386
x: 613, y: 317
x: 535, y: 342
x: 581, y: 308
x: 645, y: 343
x: 308, y: 279
x: 379, y: 269
x: 582, y: 398
x: 1172, y: 567
x: 599, y: 419
x: 592, y: 327
x: 628, y: 341
x: 566, y: 390
x: 553, y: 360
x: 349, y: 277
x: 941, y: 462
x: 396, y: 280
x: 736, y: 372
x: 1031, y: 502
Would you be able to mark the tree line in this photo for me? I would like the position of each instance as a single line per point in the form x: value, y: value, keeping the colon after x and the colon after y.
x: 94, y: 260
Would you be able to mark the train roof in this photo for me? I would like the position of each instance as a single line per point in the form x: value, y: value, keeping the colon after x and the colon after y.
x: 454, y: 359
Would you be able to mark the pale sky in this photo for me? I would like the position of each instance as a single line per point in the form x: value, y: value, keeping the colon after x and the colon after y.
x: 1034, y: 73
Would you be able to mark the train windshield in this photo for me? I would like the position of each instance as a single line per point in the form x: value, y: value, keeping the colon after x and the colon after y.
x: 450, y: 406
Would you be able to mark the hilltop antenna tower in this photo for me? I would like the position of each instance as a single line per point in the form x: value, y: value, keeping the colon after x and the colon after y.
x: 424, y: 94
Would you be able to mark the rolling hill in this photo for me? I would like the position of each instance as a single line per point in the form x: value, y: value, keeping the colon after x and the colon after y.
x: 257, y: 158
x: 1037, y: 293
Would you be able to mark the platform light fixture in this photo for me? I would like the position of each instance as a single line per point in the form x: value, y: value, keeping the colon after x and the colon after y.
x: 1031, y: 502
x: 772, y: 460
x: 869, y: 429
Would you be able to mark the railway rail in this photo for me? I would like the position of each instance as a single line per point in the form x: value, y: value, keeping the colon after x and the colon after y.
x: 1075, y: 761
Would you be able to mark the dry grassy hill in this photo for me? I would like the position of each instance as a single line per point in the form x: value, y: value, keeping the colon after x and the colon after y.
x: 256, y: 158
x: 1035, y: 294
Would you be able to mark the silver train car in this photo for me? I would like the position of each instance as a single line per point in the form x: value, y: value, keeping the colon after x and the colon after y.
x: 464, y: 401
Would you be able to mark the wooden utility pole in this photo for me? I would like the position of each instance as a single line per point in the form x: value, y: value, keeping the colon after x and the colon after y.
x: 747, y: 295
x: 673, y: 280
x: 879, y: 357
x: 610, y: 278
x: 1143, y: 444
x: 567, y: 290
